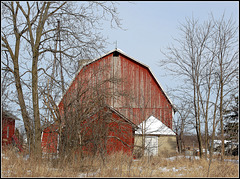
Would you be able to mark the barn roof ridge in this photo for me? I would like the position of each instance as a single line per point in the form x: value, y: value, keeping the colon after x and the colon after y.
x: 123, y: 53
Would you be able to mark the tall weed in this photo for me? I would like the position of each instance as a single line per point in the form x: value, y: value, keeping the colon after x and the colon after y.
x: 116, y: 165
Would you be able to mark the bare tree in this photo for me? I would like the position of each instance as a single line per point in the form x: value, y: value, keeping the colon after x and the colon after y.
x: 28, y: 33
x: 188, y: 62
x: 206, y: 58
x: 180, y: 124
x: 227, y: 61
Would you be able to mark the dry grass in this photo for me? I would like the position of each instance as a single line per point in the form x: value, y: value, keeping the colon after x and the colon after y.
x: 118, y: 165
x: 14, y: 165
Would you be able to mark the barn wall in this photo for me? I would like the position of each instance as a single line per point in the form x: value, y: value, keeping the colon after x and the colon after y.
x: 166, y: 144
x: 119, y: 133
x: 124, y: 136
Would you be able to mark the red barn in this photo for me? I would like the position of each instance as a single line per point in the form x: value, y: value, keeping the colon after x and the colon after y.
x: 8, y: 127
x: 138, y: 96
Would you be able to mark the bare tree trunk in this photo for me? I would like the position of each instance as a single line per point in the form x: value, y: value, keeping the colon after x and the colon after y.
x: 206, y: 113
x: 60, y: 58
x: 14, y: 57
x: 206, y: 134
x: 213, y: 134
x: 197, y: 114
x: 221, y: 119
x: 35, y: 49
x: 37, y: 124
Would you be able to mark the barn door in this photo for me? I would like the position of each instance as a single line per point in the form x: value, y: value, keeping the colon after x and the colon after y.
x: 151, y: 145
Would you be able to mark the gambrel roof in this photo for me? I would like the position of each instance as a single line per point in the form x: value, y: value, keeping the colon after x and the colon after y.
x: 121, y: 52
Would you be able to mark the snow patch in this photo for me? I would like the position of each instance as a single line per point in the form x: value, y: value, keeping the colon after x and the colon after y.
x: 92, y: 174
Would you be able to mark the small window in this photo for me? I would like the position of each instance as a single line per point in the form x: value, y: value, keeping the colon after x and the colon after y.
x: 116, y: 54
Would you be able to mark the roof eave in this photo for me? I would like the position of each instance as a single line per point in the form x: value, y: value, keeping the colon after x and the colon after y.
x: 10, y: 115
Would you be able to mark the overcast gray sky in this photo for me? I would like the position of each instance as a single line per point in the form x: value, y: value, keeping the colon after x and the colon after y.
x: 152, y: 25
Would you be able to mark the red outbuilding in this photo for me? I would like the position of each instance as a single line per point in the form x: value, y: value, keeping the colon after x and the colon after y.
x: 8, y: 127
x: 130, y: 91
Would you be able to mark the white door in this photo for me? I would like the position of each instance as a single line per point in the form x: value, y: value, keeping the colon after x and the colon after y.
x: 151, y: 146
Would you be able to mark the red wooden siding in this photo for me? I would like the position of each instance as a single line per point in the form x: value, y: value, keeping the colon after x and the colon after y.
x: 119, y: 135
x: 87, y: 78
x: 149, y: 99
x: 50, y: 140
x: 8, y: 128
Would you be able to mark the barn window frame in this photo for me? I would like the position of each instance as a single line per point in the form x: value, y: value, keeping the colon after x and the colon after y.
x: 7, y: 131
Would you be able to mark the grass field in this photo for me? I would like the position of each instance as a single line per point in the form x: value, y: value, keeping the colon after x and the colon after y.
x: 118, y: 165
